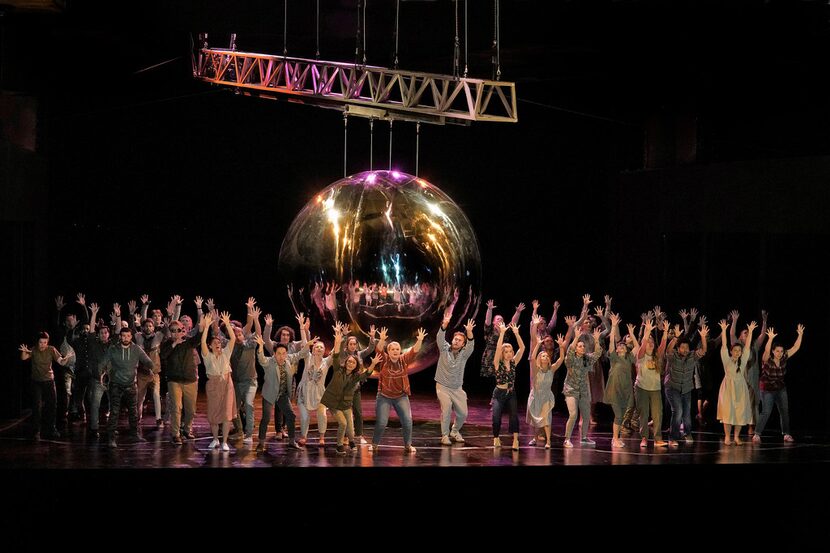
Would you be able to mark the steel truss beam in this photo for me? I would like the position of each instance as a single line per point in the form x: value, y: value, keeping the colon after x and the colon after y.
x: 365, y: 91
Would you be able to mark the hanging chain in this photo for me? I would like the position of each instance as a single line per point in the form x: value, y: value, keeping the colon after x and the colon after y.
x: 397, y: 20
x: 345, y: 139
x: 456, y: 46
x: 496, y: 43
x: 465, y: 38
x: 390, y: 144
x: 417, y: 145
x: 365, y: 5
x: 285, y: 28
x: 317, y: 54
x: 371, y: 143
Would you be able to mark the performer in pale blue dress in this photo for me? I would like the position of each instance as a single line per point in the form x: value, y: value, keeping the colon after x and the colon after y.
x: 541, y: 400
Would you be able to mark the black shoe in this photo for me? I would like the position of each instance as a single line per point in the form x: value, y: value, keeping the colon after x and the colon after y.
x: 138, y: 437
x: 341, y: 450
x: 158, y: 424
x: 177, y: 440
x: 351, y: 445
x: 260, y: 447
x: 293, y: 445
x: 189, y: 435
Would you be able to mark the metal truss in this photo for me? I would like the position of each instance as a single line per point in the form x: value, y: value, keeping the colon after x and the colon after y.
x: 362, y: 90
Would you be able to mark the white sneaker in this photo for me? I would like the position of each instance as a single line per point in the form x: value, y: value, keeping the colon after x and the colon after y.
x: 363, y: 441
x: 213, y: 444
x: 248, y: 441
x: 445, y: 440
x: 456, y: 437
x: 225, y: 447
x: 532, y: 441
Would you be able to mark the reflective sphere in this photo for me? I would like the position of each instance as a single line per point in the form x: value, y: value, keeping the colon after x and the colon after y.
x: 387, y: 249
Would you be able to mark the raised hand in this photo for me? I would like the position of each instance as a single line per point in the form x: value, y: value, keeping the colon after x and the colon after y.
x: 704, y: 332
x: 382, y: 335
x: 607, y: 300
x: 570, y: 320
x: 250, y: 303
x: 372, y: 331
x: 24, y: 348
x: 676, y: 329
x: 520, y: 307
x: 307, y: 324
x: 598, y: 311
x: 703, y: 320
x: 177, y: 299
x: 800, y: 329
x: 502, y: 328
x: 535, y: 320
x: 560, y: 340
x: 752, y: 326
x: 733, y: 315
x: 208, y: 319
x: 421, y: 334
x: 490, y: 304
x: 665, y: 326
x: 226, y: 319
x: 210, y: 304
x: 615, y: 319
x: 471, y: 324
x: 723, y: 324
x: 131, y: 306
x: 338, y: 329
x: 145, y: 298
x: 269, y: 320
x: 693, y: 313
x: 258, y: 339
x: 683, y: 314
x: 771, y: 333
x: 630, y: 329
x: 376, y: 359
x: 556, y: 306
x: 94, y: 308
x: 535, y: 304
x: 198, y: 301
x: 446, y: 320
x: 116, y: 308
x: 81, y: 298
x: 586, y: 299
x: 644, y: 317
x: 514, y: 328
x: 597, y: 333
x: 657, y: 311
x: 59, y: 303
x: 137, y: 319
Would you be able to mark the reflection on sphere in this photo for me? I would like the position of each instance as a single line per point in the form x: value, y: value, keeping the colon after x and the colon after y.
x: 382, y: 248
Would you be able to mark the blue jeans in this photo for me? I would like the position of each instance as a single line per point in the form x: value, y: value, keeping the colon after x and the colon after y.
x: 96, y: 392
x: 781, y: 400
x: 404, y: 411
x: 501, y: 398
x: 245, y: 391
x: 681, y: 411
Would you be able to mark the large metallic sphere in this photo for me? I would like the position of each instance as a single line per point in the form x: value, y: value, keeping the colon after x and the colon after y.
x: 399, y: 250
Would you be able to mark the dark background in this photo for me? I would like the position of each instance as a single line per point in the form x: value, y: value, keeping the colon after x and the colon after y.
x: 671, y: 153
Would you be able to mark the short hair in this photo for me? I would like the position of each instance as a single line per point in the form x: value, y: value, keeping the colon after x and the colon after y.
x: 280, y: 346
x: 125, y: 329
x: 147, y: 320
x: 459, y: 333
x: 682, y: 341
x: 43, y: 335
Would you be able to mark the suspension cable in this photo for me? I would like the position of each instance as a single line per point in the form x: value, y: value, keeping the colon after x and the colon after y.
x: 417, y: 145
x: 371, y: 143
x: 317, y: 53
x: 456, y: 45
x: 345, y: 139
x: 358, y: 43
x: 390, y: 143
x: 397, y: 20
x: 365, y: 5
x: 285, y: 28
x: 496, y: 42
x: 465, y: 38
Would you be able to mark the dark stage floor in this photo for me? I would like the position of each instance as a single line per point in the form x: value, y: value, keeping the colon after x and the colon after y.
x: 76, y: 451
x: 693, y: 485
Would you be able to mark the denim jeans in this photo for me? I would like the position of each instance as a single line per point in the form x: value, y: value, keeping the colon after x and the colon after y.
x: 681, y: 411
x: 404, y: 411
x: 117, y: 395
x: 245, y: 392
x: 96, y: 392
x: 782, y: 401
x: 285, y: 411
x: 500, y: 398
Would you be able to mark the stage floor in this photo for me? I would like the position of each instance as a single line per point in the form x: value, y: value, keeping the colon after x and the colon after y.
x: 75, y: 450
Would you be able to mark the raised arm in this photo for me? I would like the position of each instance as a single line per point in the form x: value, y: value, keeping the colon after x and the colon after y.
x: 612, y: 342
x: 733, y: 338
x: 553, y: 318
x: 797, y: 345
x: 521, y: 350
x: 338, y: 337
x: 416, y: 347
x: 206, y: 327
x: 145, y: 305
x: 497, y: 356
x: 763, y: 332
x: 561, y: 342
x: 253, y: 312
x: 226, y: 320
x: 646, y: 333
x: 519, y: 309
x: 488, y: 316
x: 661, y: 349
x: 381, y: 340
x: 25, y: 352
x: 748, y: 342
x: 704, y: 334
x: 768, y: 348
